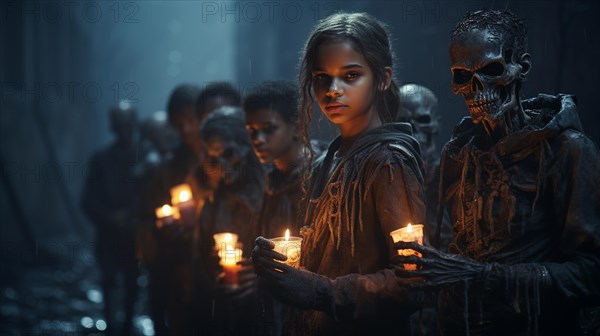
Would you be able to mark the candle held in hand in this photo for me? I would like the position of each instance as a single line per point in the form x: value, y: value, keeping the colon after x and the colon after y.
x: 410, y: 233
x: 181, y: 197
x: 289, y: 247
x: 229, y: 260
x: 225, y: 240
x: 164, y: 216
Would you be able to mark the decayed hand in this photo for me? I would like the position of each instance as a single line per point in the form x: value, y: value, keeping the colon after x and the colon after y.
x: 440, y: 269
x: 436, y: 267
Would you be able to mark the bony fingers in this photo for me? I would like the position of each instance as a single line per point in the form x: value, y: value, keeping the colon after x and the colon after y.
x: 404, y: 273
x: 411, y: 260
x: 402, y: 245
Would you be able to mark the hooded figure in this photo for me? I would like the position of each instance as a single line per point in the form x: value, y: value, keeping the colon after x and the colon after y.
x: 520, y: 181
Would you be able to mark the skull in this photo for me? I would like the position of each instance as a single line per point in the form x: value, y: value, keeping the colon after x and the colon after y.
x: 418, y: 106
x: 487, y: 74
x: 227, y: 157
x: 227, y: 144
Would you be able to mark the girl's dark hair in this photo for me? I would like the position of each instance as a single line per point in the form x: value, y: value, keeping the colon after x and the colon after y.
x: 369, y: 37
x: 280, y: 96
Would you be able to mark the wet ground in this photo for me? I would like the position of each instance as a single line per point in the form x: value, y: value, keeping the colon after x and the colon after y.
x: 61, y: 297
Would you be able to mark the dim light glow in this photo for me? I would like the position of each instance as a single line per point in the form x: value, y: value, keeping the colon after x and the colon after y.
x: 184, y: 196
x: 164, y: 211
x: 181, y: 193
x: 287, y: 234
x: 409, y: 228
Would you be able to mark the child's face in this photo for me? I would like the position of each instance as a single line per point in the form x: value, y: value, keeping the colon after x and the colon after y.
x: 343, y: 84
x: 272, y: 138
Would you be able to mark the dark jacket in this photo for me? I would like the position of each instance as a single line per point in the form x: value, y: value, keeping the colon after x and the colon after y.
x: 532, y: 197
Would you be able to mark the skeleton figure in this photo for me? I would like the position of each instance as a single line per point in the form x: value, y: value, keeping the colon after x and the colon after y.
x: 526, y: 248
x: 418, y: 106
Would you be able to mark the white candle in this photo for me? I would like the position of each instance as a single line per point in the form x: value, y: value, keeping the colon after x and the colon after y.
x: 410, y: 233
x: 289, y: 247
x: 224, y: 240
x: 164, y: 216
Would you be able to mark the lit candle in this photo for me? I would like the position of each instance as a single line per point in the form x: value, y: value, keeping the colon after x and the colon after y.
x: 411, y: 233
x: 164, y: 216
x: 229, y: 259
x: 224, y: 240
x: 181, y: 197
x: 289, y: 247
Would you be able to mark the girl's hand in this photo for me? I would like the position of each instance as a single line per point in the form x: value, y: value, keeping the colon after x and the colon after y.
x: 296, y: 287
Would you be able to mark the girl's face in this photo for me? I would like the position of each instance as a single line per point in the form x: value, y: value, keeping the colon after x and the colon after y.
x: 344, y: 84
x: 272, y: 138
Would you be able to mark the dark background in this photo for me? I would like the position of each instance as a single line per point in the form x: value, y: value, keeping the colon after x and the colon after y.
x: 64, y: 63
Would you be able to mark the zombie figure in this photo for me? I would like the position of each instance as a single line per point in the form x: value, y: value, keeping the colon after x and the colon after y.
x: 233, y: 207
x: 418, y: 106
x: 238, y: 196
x: 109, y: 200
x: 520, y: 181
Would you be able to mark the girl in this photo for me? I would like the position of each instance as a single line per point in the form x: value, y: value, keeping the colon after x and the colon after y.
x: 368, y: 184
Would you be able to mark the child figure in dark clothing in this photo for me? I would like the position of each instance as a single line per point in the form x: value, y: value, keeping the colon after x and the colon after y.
x: 520, y: 181
x: 272, y: 123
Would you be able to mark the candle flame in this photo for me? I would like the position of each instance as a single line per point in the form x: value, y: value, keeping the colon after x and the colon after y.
x: 184, y: 195
x: 166, y: 210
x: 228, y: 238
x: 409, y: 228
x: 287, y: 234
